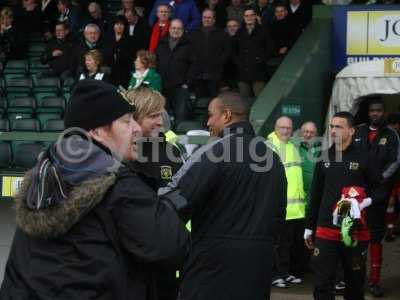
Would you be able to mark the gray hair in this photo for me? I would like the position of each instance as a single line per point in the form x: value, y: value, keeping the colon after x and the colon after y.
x: 91, y: 25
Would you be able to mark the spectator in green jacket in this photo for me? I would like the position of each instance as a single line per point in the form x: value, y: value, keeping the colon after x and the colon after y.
x: 309, y: 152
x: 145, y: 73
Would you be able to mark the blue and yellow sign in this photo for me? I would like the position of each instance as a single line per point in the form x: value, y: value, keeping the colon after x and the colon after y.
x: 362, y: 33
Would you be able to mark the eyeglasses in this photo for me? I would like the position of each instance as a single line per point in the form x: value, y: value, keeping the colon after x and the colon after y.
x: 176, y: 29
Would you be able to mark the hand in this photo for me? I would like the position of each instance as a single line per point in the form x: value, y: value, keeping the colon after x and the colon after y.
x: 365, y: 203
x: 184, y: 86
x: 283, y: 50
x: 308, y: 239
x: 57, y: 52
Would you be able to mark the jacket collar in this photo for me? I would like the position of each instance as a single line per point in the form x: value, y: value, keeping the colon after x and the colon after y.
x: 241, y: 127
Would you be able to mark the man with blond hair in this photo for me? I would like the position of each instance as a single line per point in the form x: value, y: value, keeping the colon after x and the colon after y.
x: 158, y: 161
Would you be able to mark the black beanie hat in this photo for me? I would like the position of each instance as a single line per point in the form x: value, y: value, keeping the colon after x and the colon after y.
x: 93, y: 104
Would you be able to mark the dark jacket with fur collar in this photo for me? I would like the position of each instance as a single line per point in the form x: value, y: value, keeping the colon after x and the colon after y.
x: 101, y: 243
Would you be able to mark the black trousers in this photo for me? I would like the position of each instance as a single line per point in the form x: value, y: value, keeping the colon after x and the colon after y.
x: 179, y: 103
x: 326, y: 257
x: 206, y: 88
x: 290, y: 253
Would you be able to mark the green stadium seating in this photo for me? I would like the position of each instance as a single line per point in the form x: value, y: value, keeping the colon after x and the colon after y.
x: 12, y: 117
x: 54, y: 125
x: 18, y: 87
x: 3, y: 105
x: 21, y: 105
x: 35, y: 37
x: 26, y: 154
x: 68, y: 84
x: 4, y: 125
x: 46, y: 85
x: 36, y: 49
x: 67, y: 96
x: 51, y: 104
x: 25, y: 125
x: 35, y: 66
x: 16, y: 67
x: 5, y: 155
x: 45, y: 116
x: 185, y: 126
x: 202, y: 103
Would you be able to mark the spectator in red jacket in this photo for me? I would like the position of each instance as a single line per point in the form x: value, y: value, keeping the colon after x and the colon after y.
x: 161, y: 27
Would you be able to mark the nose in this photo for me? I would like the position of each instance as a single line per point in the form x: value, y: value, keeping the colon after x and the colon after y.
x: 159, y: 120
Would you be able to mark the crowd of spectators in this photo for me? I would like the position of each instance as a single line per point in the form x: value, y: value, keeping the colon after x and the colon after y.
x: 187, y: 47
x: 195, y: 48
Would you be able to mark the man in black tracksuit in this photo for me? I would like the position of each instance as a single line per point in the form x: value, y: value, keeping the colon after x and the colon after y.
x: 158, y: 161
x: 382, y: 144
x: 234, y: 190
x: 345, y: 171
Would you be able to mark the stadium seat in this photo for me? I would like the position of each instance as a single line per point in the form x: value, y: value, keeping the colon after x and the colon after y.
x: 185, y: 126
x: 35, y: 37
x: 68, y: 84
x: 18, y: 87
x: 46, y: 85
x: 51, y: 104
x: 54, y: 125
x: 36, y: 66
x: 2, y: 86
x: 26, y: 154
x: 4, y: 125
x: 202, y: 103
x: 16, y: 67
x: 67, y: 96
x: 5, y: 155
x: 36, y: 49
x: 21, y: 105
x: 12, y: 117
x: 25, y: 125
x: 45, y: 116
x: 3, y: 105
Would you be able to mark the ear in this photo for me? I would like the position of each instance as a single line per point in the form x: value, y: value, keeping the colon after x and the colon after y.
x: 97, y: 134
x: 227, y: 114
x: 352, y: 131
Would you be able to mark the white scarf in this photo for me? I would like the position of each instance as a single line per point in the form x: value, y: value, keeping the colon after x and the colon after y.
x: 98, y: 76
x: 140, y: 78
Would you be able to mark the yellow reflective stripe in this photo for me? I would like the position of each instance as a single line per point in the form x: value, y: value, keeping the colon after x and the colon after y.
x: 295, y: 201
x: 292, y: 164
x: 189, y: 225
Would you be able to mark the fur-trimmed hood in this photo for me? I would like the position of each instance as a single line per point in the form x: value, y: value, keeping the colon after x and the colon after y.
x: 62, y: 188
x: 58, y: 219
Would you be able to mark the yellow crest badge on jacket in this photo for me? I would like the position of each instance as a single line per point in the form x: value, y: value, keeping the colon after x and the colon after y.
x: 354, y: 166
x: 383, y: 141
x: 166, y: 172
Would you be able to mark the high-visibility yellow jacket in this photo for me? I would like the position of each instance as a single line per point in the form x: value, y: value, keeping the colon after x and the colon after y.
x: 291, y: 160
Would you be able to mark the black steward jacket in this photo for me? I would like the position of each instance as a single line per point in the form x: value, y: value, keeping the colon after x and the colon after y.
x: 236, y: 193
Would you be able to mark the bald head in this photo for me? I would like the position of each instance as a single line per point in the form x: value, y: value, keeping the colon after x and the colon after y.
x: 308, y: 131
x: 227, y: 108
x: 284, y: 128
x: 235, y: 103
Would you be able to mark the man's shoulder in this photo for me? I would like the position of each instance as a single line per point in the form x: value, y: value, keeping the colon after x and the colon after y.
x: 129, y: 183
